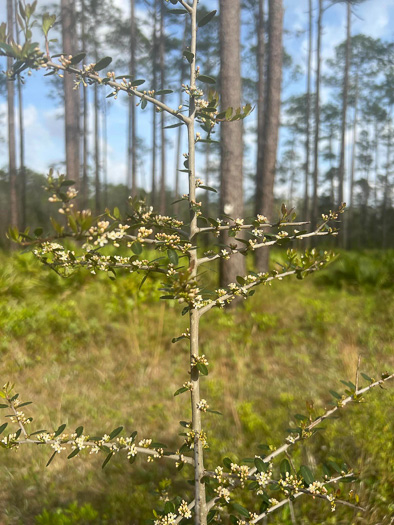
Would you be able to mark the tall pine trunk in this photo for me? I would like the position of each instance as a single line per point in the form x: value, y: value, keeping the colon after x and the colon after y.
x: 85, y: 121
x: 162, y: 115
x: 272, y: 119
x: 132, y: 160
x: 231, y: 196
x: 179, y: 135
x: 71, y: 96
x: 11, y: 127
x: 260, y: 104
x: 317, y: 120
x: 349, y: 221
x: 345, y: 93
x: 22, y: 170
x: 154, y: 113
x: 97, y: 151
x: 308, y: 115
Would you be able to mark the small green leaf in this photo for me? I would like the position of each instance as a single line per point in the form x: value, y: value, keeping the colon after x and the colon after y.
x: 164, y: 92
x: 3, y: 427
x: 51, y: 459
x: 241, y: 510
x: 79, y: 431
x: 172, y: 256
x: 188, y: 55
x: 59, y: 430
x: 206, y: 19
x: 107, y: 459
x: 209, y: 188
x: 206, y: 79
x: 306, y: 474
x: 103, y: 63
x: 335, y: 394
x: 74, y: 453
x: 261, y: 465
x: 136, y: 247
x: 77, y: 58
x: 115, y: 432
x: 177, y: 125
x: 227, y: 462
x: 334, y: 466
x: 202, y: 369
x: 285, y: 468
x: 181, y: 391
x: 138, y: 82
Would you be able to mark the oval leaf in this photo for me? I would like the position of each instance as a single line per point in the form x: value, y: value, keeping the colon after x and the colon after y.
x: 206, y: 79
x: 206, y: 19
x: 103, y: 63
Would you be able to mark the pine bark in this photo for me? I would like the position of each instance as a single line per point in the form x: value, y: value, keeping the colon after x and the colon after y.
x: 163, y: 174
x: 154, y: 113
x: 272, y: 119
x: 317, y: 120
x: 341, y: 170
x: 260, y: 104
x: 308, y: 114
x: 132, y: 159
x: 231, y: 177
x: 71, y: 96
x: 11, y: 127
x: 85, y: 121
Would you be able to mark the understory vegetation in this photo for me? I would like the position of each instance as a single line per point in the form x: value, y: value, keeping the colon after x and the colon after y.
x: 95, y: 351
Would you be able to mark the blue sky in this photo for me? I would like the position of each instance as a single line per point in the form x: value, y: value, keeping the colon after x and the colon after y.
x: 44, y: 128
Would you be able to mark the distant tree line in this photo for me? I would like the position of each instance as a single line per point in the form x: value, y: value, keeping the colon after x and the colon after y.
x: 330, y: 150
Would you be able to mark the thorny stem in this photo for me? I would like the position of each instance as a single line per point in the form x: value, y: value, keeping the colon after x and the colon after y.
x: 119, y: 87
x: 302, y: 493
x: 316, y: 233
x: 286, y: 446
x: 200, y: 517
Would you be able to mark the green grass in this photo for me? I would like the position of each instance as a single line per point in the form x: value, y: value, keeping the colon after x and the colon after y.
x: 94, y: 352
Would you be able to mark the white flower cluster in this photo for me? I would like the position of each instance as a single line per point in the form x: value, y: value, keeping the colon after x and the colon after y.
x: 202, y: 405
x: 168, y: 519
x: 183, y: 510
x: 291, y: 484
x: 19, y: 417
x: 192, y: 435
x: 241, y: 471
x: 199, y: 359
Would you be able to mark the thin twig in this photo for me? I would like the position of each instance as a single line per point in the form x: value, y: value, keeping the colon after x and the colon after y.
x: 119, y: 87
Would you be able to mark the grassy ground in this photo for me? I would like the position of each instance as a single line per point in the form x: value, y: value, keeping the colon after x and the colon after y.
x: 98, y: 353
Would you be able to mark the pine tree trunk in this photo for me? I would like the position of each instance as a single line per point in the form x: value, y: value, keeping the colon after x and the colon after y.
x: 104, y: 135
x: 272, y: 118
x: 96, y: 152
x: 85, y: 122
x: 231, y: 196
x: 132, y: 160
x: 260, y: 105
x: 179, y: 135
x: 22, y: 170
x: 154, y: 113
x: 162, y: 115
x: 11, y: 128
x: 71, y: 96
x: 341, y: 171
x: 308, y: 116
x: 317, y: 121
x: 349, y: 220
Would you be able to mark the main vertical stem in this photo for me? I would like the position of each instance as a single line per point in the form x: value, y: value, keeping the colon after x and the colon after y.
x: 199, y: 487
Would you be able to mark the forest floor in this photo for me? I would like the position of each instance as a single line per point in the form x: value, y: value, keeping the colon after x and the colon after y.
x: 98, y: 353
